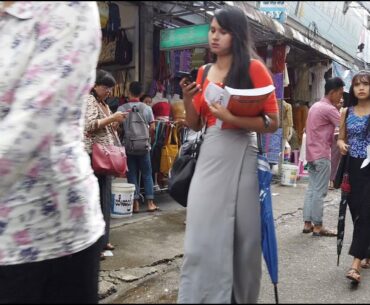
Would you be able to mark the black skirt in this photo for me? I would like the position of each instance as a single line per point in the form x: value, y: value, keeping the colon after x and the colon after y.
x: 359, y: 206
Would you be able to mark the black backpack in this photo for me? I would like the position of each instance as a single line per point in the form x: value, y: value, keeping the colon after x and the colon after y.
x: 123, y: 55
x: 136, y: 137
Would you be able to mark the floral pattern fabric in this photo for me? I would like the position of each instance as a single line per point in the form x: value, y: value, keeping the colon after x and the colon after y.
x: 358, y: 140
x: 94, y: 134
x: 49, y: 197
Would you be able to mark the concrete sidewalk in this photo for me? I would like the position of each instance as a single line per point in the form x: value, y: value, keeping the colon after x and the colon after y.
x: 151, y: 244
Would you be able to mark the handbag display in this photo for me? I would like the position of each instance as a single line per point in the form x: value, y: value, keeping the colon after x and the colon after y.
x: 183, y: 169
x: 169, y: 151
x: 109, y: 159
x: 108, y: 51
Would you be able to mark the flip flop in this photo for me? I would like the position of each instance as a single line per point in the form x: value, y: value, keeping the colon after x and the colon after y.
x: 153, y: 210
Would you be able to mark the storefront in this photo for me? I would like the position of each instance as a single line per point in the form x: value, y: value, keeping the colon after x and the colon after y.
x: 121, y: 29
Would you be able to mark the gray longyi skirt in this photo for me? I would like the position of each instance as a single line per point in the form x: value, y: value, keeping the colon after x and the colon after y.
x: 222, y: 254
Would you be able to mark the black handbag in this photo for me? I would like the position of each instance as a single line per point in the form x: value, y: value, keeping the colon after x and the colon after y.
x: 182, y: 171
x: 342, y: 166
x: 340, y: 172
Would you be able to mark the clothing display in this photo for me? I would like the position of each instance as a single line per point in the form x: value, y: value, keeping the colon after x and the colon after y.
x: 278, y: 80
x: 287, y: 120
x: 278, y: 58
x: 302, y: 89
x: 318, y: 81
x: 300, y: 113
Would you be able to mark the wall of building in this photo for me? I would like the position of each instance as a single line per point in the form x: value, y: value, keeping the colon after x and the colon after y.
x: 327, y: 19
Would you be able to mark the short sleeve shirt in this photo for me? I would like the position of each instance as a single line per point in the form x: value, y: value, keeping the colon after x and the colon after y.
x: 260, y: 77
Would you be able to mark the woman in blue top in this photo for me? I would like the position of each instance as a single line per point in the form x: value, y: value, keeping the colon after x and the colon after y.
x: 354, y: 139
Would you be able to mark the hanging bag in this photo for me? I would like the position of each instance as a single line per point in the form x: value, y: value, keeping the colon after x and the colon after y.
x: 160, y: 137
x: 108, y: 50
x: 109, y: 159
x: 169, y: 151
x: 123, y: 54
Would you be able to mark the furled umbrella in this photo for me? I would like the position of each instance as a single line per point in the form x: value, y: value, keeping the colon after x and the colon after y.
x: 345, y: 188
x: 268, y: 243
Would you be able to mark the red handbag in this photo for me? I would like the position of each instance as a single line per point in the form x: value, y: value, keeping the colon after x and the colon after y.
x: 109, y: 159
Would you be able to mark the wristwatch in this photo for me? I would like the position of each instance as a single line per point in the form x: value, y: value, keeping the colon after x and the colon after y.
x: 266, y: 120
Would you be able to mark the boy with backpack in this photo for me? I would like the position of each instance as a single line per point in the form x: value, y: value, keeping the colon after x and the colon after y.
x: 136, y: 139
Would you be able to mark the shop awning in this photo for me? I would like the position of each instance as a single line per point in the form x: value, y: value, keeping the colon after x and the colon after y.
x: 286, y: 32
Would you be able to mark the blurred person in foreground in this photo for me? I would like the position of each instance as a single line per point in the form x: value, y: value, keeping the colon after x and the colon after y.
x: 50, y: 217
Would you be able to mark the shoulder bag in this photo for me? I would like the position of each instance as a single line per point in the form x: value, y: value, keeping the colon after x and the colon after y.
x: 343, y: 165
x: 183, y: 167
x: 109, y: 159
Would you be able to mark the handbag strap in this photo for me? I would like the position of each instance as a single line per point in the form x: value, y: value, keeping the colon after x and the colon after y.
x: 108, y: 127
x: 259, y: 143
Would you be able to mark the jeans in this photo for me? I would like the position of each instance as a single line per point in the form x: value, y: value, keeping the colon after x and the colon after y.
x: 319, y: 175
x: 142, y: 164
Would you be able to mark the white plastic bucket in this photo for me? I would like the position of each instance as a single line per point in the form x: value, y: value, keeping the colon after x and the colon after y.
x: 122, y: 199
x: 289, y: 174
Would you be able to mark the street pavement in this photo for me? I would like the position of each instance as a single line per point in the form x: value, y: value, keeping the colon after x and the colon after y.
x: 149, y: 247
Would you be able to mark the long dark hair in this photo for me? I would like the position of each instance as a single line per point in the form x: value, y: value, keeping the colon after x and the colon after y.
x: 362, y: 76
x: 233, y: 20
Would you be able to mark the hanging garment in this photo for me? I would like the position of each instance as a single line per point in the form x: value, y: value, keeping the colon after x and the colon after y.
x: 300, y: 113
x: 318, y: 83
x: 302, y: 89
x: 287, y: 120
x: 278, y: 58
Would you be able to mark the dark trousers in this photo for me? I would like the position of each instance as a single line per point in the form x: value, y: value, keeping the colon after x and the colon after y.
x: 105, y: 190
x: 359, y: 206
x: 71, y: 279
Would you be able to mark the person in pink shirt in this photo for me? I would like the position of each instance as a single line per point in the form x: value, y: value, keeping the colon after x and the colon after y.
x: 322, y: 119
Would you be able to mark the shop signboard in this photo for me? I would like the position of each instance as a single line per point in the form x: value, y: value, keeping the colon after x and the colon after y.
x: 274, y: 9
x: 184, y: 37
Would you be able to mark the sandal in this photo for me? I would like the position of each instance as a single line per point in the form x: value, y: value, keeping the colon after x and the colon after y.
x: 354, y: 275
x: 366, y: 264
x: 307, y: 230
x: 109, y: 247
x: 324, y: 232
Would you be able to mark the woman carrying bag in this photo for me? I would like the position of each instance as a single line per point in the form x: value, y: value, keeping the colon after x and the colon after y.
x: 222, y: 251
x: 100, y: 126
x: 354, y: 139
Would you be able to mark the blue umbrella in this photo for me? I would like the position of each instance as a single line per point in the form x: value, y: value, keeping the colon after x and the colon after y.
x: 268, y: 241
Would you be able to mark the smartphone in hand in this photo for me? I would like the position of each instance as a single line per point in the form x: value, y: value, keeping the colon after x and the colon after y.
x: 187, y: 75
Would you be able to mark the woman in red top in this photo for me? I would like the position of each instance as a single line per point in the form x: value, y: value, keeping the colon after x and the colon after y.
x: 222, y: 258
